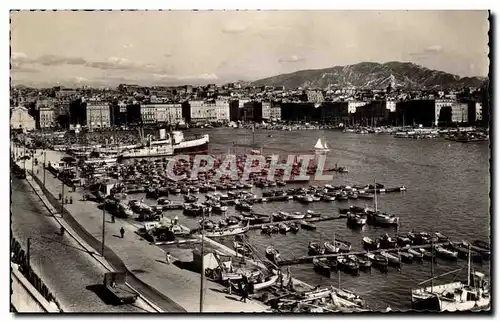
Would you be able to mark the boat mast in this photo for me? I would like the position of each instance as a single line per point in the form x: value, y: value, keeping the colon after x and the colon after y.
x: 375, y: 190
x: 468, y: 267
x: 202, y: 275
x: 432, y: 265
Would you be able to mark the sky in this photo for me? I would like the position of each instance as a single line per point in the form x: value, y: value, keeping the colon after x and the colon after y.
x: 104, y: 48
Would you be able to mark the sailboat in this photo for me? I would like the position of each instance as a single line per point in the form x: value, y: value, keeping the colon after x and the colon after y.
x: 382, y: 218
x: 321, y: 146
x: 472, y: 295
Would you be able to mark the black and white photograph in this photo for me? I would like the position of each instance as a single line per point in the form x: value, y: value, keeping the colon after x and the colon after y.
x: 250, y: 161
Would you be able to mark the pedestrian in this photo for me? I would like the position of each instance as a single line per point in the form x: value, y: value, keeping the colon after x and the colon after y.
x: 230, y: 287
x: 176, y: 220
x: 61, y: 230
x: 66, y: 200
x: 70, y: 199
x: 60, y: 196
x: 244, y: 295
x: 113, y: 219
x: 168, y: 257
x: 122, y: 232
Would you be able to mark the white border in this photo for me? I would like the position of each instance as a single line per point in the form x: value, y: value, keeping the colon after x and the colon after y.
x: 185, y: 4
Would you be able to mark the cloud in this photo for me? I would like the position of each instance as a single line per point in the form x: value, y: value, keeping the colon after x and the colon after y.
x: 112, y: 63
x: 186, y: 77
x: 18, y: 68
x: 427, y: 52
x: 54, y: 60
x: 291, y: 59
x: 167, y: 55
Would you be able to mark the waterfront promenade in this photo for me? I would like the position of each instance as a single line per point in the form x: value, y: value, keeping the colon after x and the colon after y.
x: 145, y: 261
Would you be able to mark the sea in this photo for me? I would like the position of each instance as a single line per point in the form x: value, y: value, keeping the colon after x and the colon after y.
x: 448, y: 191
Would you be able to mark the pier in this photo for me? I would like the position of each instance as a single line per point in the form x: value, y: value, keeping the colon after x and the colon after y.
x: 309, y: 258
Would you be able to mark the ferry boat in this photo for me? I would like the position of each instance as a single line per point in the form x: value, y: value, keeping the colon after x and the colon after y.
x: 180, y: 144
x: 148, y: 152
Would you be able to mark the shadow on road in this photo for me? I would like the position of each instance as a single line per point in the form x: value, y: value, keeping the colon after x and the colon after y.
x: 103, y: 293
x: 64, y: 244
x: 190, y: 266
x: 117, y: 236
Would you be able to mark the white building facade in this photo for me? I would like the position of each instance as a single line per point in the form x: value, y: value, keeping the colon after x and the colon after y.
x: 21, y: 120
x: 203, y: 111
x: 98, y: 114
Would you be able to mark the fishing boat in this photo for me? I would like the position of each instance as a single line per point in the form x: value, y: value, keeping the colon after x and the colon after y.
x: 321, y: 146
x: 416, y: 254
x: 363, y: 261
x: 371, y: 244
x: 294, y: 227
x: 356, y: 220
x: 403, y: 241
x: 391, y: 259
x: 228, y: 232
x: 272, y: 254
x: 445, y: 253
x: 242, y: 206
x: 313, y: 213
x: 405, y: 256
x: 283, y: 228
x: 271, y: 280
x: 330, y: 248
x: 241, y: 248
x: 307, y: 225
x: 426, y: 254
x: 328, y: 198
x: 218, y: 208
x: 190, y: 198
x: 378, y: 260
x: 306, y: 199
x: 322, y: 266
x: 473, y: 295
x: 163, y: 201
x: 387, y: 241
x: 441, y: 238
x: 348, y: 264
x: 295, y: 215
x: 385, y: 219
x: 315, y: 249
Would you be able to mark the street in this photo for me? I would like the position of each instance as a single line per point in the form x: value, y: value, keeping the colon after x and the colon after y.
x: 70, y: 273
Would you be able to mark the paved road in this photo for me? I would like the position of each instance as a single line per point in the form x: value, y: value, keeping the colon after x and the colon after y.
x: 70, y: 273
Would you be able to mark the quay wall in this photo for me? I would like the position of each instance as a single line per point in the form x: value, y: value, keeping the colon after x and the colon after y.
x: 25, y: 298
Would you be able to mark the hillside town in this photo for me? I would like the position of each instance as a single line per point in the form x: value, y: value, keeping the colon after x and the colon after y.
x: 134, y: 105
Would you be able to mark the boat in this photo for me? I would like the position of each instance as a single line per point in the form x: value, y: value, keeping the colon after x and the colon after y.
x: 218, y: 208
x: 330, y: 248
x: 295, y: 215
x: 378, y: 260
x: 294, y: 227
x: 163, y: 201
x: 371, y: 244
x: 387, y: 241
x: 403, y: 241
x: 322, y: 266
x: 315, y: 249
x: 313, y: 213
x: 356, y: 220
x: 385, y: 219
x: 416, y: 254
x: 321, y: 146
x: 441, y: 238
x: 265, y: 284
x: 405, y: 256
x: 473, y: 295
x: 190, y: 198
x: 272, y: 254
x: 307, y: 225
x: 243, y: 206
x: 227, y: 232
x: 283, y: 228
x: 147, y: 152
x: 363, y: 261
x: 241, y: 248
x: 391, y: 259
x: 328, y: 198
x: 348, y: 264
x: 445, y: 253
x: 306, y: 199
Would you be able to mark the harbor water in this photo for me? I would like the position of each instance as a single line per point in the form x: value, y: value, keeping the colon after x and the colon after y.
x: 448, y: 186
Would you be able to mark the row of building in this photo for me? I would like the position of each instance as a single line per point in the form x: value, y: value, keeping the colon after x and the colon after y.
x: 95, y: 113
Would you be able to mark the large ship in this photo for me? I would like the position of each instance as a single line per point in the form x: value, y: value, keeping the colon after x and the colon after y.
x: 180, y: 144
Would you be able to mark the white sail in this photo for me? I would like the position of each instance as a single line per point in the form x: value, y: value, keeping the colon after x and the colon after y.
x: 319, y: 144
x: 325, y: 146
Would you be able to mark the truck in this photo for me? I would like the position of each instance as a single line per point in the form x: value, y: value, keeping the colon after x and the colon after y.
x: 116, y: 284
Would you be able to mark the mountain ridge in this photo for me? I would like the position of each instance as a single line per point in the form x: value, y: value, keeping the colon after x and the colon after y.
x: 372, y: 75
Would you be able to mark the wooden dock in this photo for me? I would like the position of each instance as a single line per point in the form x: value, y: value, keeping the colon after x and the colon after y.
x: 315, y: 219
x: 309, y: 259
